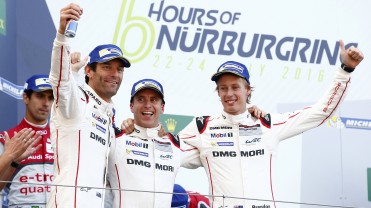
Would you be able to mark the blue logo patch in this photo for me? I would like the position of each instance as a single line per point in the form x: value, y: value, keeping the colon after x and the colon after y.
x: 225, y: 143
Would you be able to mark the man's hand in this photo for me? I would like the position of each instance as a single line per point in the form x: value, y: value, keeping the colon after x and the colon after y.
x: 128, y: 126
x: 351, y: 56
x: 31, y: 147
x: 21, y: 145
x: 76, y: 62
x: 256, y: 112
x: 71, y: 11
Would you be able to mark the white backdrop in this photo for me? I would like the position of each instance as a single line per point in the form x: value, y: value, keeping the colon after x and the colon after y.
x: 317, y: 25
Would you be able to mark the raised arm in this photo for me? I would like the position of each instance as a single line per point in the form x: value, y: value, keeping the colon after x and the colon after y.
x: 291, y: 124
x: 65, y: 89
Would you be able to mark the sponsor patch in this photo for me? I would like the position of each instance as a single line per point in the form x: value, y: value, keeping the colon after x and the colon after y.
x: 221, y: 135
x: 252, y: 141
x: 163, y: 146
x: 137, y: 144
x: 166, y: 157
x: 250, y: 130
x: 144, y: 154
x: 221, y: 144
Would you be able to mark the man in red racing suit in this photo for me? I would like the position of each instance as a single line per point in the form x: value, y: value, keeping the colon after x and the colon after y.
x: 33, y: 176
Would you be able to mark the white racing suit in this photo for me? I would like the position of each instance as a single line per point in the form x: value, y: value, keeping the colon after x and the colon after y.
x: 82, y: 135
x: 236, y: 151
x: 143, y: 166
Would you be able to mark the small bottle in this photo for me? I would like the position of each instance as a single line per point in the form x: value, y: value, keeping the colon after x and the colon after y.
x: 71, y: 29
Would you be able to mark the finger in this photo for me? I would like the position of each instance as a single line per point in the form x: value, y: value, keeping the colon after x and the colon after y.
x: 342, y: 46
x: 75, y: 57
x: 35, y: 140
x: 357, y: 56
x: 258, y: 113
x: 76, y: 7
x: 28, y: 134
x: 22, y: 134
x: 34, y: 149
x: 73, y: 7
x: 131, y: 128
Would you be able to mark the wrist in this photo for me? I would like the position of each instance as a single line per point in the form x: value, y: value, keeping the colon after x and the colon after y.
x: 347, y: 68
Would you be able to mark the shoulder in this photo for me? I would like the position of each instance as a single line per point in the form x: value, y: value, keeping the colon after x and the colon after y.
x: 266, y: 120
x: 173, y: 139
x: 201, y: 122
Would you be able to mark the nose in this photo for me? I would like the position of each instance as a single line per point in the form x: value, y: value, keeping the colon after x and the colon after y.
x: 147, y: 103
x: 229, y: 92
x: 46, y: 101
x: 115, y: 72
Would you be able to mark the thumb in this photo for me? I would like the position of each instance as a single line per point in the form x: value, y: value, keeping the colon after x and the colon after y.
x: 342, y: 46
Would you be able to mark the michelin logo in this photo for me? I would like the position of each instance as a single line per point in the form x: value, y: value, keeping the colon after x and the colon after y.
x: 11, y: 89
x: 353, y: 123
x: 357, y: 123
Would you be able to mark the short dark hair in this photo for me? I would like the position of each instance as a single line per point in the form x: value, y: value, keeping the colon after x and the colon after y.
x: 28, y: 93
x: 93, y: 67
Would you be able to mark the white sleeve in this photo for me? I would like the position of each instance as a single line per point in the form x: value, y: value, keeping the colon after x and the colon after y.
x: 190, y: 156
x: 67, y: 95
x: 290, y: 124
x: 190, y: 141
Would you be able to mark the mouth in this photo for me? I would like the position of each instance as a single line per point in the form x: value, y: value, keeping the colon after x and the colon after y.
x: 113, y: 82
x: 147, y: 113
x: 230, y: 102
x: 44, y: 111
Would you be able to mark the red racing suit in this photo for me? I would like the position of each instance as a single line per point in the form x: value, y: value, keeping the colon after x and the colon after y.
x: 37, y: 169
x: 236, y: 151
x: 82, y: 135
x: 145, y: 162
x: 197, y: 201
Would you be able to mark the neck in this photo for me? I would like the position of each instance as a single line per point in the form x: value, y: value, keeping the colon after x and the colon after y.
x: 41, y: 124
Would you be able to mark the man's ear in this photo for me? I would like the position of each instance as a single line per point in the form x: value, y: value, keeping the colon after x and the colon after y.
x: 162, y: 108
x: 87, y: 71
x: 131, y: 107
x: 26, y: 99
x: 248, y: 91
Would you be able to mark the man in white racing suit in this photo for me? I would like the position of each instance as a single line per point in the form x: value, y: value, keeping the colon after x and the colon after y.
x: 235, y: 149
x: 143, y: 166
x: 82, y: 120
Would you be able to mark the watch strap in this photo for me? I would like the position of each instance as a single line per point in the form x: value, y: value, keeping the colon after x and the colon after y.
x: 14, y: 164
x: 347, y: 68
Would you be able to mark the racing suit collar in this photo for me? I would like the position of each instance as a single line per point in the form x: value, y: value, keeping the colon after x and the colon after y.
x: 242, y: 118
x: 146, y: 133
x: 100, y: 103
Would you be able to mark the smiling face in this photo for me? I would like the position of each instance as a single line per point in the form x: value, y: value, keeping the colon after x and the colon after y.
x: 233, y: 92
x: 106, y: 79
x: 147, y: 107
